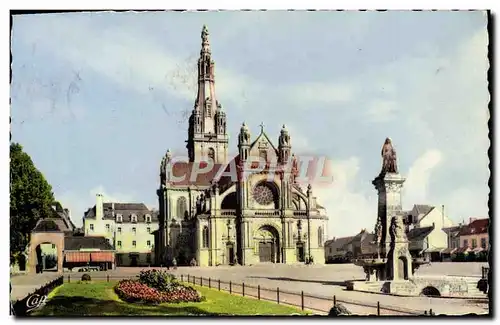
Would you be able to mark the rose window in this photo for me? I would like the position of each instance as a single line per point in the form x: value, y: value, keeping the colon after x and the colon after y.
x: 263, y: 194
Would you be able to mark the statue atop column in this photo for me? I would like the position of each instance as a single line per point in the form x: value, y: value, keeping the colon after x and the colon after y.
x: 389, y: 161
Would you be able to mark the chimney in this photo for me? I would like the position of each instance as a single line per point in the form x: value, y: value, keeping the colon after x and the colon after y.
x: 442, y: 213
x: 99, y: 207
x: 471, y: 220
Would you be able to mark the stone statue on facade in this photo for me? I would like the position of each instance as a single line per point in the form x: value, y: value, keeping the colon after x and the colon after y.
x: 389, y: 163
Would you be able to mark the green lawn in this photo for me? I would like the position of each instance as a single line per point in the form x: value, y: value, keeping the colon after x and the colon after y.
x: 99, y: 299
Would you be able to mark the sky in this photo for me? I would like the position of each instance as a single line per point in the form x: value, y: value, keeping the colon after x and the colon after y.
x: 98, y: 98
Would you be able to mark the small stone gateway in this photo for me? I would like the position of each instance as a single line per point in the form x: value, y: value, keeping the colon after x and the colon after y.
x: 388, y: 265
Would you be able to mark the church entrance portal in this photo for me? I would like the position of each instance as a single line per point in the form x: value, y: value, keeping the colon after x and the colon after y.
x: 268, y: 244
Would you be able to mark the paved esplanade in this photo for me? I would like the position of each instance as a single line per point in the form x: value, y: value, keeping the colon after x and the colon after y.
x: 328, y: 280
x: 24, y: 284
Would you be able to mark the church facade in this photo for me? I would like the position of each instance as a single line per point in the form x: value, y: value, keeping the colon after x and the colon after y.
x: 243, y: 210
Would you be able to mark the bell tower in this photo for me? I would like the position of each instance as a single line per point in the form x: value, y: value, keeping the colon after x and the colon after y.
x: 207, y: 134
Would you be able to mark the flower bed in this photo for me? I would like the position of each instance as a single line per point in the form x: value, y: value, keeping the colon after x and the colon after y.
x: 156, y: 287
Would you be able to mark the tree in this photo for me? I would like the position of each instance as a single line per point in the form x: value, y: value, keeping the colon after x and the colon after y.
x: 31, y: 198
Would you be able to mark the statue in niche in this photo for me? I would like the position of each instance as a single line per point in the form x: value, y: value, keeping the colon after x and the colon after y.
x: 397, y: 229
x: 389, y: 163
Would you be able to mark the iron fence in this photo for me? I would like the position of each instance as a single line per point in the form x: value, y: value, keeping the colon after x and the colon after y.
x: 305, y: 301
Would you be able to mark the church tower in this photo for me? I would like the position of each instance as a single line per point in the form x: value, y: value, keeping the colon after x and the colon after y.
x: 207, y: 135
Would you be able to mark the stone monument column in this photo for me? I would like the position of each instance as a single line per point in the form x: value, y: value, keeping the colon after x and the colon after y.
x: 389, y: 187
x: 389, y: 230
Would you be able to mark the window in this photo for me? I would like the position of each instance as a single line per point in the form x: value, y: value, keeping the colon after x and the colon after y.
x: 91, y: 227
x: 119, y: 243
x: 148, y: 218
x: 148, y: 258
x: 134, y: 230
x: 466, y: 243
x: 54, y: 245
x: 483, y: 243
x: 149, y: 230
x: 149, y: 243
x: 181, y: 207
x: 107, y: 227
x: 320, y: 236
x: 134, y: 243
x: 133, y: 218
x: 205, y: 237
x: 119, y: 230
x: 474, y: 243
x: 119, y: 218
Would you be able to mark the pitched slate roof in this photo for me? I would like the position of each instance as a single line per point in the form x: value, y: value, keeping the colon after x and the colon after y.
x: 339, y: 243
x: 126, y: 210
x: 52, y: 225
x: 423, y: 209
x: 76, y: 243
x: 419, y: 233
x: 358, y: 238
x: 453, y: 231
x: 184, y: 171
x: 479, y: 226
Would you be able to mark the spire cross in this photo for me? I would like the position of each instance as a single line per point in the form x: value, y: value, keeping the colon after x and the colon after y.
x: 261, y: 127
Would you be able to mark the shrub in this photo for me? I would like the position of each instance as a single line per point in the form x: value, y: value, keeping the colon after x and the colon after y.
x: 135, y: 291
x: 159, y: 280
x: 86, y: 277
x: 339, y: 310
x: 471, y: 257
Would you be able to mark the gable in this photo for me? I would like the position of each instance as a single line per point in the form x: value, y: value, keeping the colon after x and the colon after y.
x: 263, y: 144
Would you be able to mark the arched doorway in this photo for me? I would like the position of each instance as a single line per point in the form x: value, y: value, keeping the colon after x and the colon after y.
x: 46, y: 257
x: 268, y: 241
x: 46, y: 234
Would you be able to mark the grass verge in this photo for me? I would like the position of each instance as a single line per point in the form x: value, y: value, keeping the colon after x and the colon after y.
x: 98, y: 298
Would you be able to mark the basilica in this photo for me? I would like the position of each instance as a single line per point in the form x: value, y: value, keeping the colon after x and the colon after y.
x: 220, y: 210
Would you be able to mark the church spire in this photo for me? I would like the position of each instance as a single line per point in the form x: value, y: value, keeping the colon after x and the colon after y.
x: 206, y: 102
x: 207, y: 124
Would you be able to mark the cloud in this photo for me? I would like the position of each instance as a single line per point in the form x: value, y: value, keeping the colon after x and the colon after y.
x: 381, y: 110
x: 320, y: 93
x: 417, y: 182
x: 348, y: 210
x: 111, y: 197
x: 467, y: 202
x: 130, y: 60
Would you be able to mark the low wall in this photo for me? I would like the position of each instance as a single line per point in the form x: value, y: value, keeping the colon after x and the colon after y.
x: 441, y: 286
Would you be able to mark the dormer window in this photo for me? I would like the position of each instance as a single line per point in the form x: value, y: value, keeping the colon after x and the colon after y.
x: 119, y: 218
x: 148, y: 218
x: 133, y: 218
